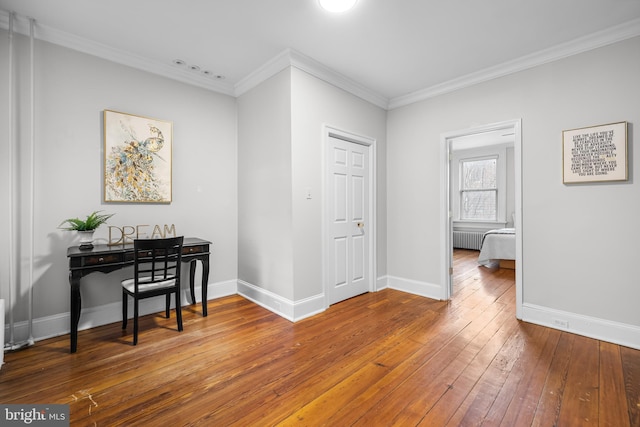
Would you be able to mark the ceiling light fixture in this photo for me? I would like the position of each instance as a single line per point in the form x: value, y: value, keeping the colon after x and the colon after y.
x: 337, y: 6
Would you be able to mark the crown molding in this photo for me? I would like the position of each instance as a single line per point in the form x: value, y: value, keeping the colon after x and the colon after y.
x: 285, y: 59
x: 61, y: 38
x: 330, y: 76
x: 292, y: 58
x: 267, y: 70
x: 593, y: 41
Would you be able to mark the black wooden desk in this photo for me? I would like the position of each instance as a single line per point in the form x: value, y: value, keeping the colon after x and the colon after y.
x: 105, y: 258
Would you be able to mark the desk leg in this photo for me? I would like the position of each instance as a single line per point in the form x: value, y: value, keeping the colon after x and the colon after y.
x: 192, y: 277
x: 76, y: 303
x: 205, y: 284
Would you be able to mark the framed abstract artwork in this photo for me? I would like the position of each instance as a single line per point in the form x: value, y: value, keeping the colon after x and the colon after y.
x: 137, y: 158
x: 594, y: 154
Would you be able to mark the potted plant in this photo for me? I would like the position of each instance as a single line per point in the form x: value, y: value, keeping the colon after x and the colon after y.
x: 85, y: 227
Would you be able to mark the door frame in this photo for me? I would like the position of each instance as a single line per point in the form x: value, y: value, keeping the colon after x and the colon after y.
x: 332, y: 131
x: 446, y: 230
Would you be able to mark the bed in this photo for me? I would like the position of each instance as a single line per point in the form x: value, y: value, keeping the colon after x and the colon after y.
x: 499, y: 246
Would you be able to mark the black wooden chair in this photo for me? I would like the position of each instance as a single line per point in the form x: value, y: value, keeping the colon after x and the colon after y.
x: 156, y: 272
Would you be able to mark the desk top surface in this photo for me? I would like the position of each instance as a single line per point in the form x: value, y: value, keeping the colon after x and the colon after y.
x: 75, y: 251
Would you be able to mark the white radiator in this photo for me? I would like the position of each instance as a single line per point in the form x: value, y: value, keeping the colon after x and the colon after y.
x: 467, y: 240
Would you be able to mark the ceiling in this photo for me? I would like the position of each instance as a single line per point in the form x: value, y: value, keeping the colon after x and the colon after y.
x: 390, y: 50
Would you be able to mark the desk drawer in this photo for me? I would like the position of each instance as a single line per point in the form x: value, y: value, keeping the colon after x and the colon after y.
x: 198, y: 249
x: 102, y: 259
x: 186, y: 250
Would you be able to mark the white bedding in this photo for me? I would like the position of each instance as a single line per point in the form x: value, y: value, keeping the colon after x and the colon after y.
x: 498, y: 244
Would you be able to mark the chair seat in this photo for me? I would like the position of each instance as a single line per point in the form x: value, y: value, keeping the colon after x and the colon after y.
x: 145, y: 284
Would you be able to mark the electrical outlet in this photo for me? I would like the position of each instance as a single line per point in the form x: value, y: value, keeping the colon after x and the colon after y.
x: 561, y: 323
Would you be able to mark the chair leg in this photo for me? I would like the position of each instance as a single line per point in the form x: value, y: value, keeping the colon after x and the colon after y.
x: 135, y: 321
x: 167, y: 306
x: 125, y: 310
x: 178, y: 310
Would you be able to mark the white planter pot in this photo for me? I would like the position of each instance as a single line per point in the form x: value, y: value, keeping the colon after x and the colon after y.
x: 86, y: 239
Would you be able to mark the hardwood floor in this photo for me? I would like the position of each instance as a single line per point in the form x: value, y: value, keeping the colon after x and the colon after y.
x: 380, y: 359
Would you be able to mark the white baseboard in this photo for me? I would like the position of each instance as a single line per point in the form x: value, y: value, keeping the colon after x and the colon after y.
x: 59, y: 324
x: 382, y: 283
x: 51, y: 326
x: 605, y: 330
x: 592, y: 327
x: 284, y: 307
x: 416, y: 287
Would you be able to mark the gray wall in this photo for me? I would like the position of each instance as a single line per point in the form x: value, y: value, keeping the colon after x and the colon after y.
x: 72, y: 90
x: 314, y: 104
x: 281, y: 156
x: 579, y: 241
x: 264, y: 186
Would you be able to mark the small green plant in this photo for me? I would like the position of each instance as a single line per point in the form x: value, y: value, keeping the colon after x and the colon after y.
x: 93, y: 221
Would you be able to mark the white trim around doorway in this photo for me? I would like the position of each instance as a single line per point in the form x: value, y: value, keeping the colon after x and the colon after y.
x: 445, y: 203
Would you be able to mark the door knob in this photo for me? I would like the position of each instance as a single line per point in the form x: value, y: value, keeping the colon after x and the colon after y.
x: 360, y: 225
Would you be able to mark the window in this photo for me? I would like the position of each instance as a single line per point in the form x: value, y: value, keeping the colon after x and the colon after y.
x: 479, y: 189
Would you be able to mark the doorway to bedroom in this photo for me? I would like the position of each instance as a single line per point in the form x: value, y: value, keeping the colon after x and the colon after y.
x: 482, y: 200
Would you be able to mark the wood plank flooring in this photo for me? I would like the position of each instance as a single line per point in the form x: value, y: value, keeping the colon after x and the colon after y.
x: 380, y: 359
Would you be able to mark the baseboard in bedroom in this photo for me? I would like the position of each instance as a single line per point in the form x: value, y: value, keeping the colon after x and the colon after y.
x: 416, y: 287
x: 59, y: 324
x: 592, y: 327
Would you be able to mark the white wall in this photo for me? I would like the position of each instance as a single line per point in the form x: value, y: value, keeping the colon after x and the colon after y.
x: 579, y: 241
x: 314, y: 104
x: 72, y: 90
x: 585, y: 274
x: 264, y: 185
x: 280, y: 157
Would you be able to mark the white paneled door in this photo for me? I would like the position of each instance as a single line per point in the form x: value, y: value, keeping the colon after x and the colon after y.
x: 348, y: 225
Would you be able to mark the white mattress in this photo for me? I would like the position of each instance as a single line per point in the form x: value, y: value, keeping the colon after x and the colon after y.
x: 498, y: 244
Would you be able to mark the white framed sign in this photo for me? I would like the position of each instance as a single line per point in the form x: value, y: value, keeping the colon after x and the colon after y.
x: 593, y: 154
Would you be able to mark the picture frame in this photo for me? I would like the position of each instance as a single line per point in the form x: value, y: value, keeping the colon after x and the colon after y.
x: 595, y: 154
x: 137, y: 158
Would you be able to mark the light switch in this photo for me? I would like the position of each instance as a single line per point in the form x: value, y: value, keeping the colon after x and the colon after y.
x: 308, y: 193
